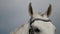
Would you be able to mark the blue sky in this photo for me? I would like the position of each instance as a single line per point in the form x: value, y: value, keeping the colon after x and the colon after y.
x: 13, y: 13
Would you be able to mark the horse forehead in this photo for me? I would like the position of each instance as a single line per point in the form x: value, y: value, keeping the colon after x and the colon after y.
x: 45, y: 27
x: 42, y: 24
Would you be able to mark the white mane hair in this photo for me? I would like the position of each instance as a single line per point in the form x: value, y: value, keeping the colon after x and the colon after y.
x: 38, y: 26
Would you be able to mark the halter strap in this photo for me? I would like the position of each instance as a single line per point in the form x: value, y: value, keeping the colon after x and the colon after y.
x: 31, y: 29
x: 38, y: 19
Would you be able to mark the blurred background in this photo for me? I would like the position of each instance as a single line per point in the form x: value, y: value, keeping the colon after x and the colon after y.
x: 13, y: 13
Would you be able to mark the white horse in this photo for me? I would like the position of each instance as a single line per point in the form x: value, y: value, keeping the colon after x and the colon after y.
x: 38, y: 24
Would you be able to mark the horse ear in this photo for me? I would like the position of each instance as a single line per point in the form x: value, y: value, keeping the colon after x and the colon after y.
x: 49, y: 10
x: 30, y: 9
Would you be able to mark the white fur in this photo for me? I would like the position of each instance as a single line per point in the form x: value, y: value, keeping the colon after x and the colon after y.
x: 45, y: 27
x: 22, y: 29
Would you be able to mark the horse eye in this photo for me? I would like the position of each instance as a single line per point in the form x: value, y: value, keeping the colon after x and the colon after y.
x: 37, y: 30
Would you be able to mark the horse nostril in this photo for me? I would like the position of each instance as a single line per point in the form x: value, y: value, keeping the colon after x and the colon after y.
x: 37, y: 30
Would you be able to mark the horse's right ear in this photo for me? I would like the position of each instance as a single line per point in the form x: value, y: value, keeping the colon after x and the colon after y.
x: 30, y: 9
x: 48, y: 12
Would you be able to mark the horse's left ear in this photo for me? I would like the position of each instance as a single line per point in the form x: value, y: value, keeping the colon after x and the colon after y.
x: 30, y: 9
x: 48, y: 10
